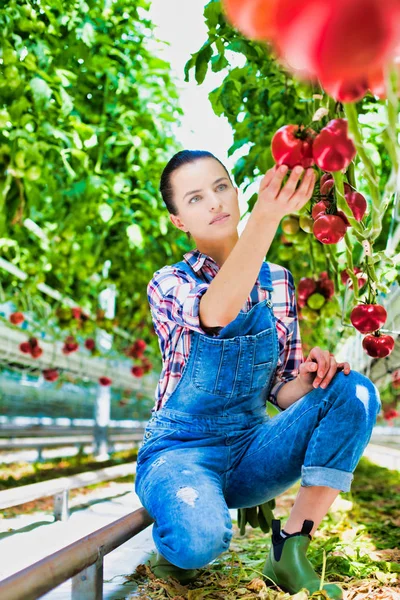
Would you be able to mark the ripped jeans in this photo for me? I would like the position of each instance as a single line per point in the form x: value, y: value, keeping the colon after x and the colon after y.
x: 192, y: 469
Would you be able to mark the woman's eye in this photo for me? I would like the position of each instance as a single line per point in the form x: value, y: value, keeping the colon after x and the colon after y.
x: 194, y: 197
x: 223, y: 185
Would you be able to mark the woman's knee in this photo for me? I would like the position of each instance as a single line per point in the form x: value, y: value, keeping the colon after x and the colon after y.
x: 360, y: 390
x: 196, y: 545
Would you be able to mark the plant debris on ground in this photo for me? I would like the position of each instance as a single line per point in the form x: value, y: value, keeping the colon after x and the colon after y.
x: 359, y: 539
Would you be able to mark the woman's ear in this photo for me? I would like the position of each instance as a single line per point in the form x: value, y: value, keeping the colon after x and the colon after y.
x: 177, y: 222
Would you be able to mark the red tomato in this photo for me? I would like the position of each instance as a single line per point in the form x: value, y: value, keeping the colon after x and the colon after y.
x: 327, y: 186
x: 50, y: 374
x: 105, y: 381
x: 36, y: 352
x: 16, y: 318
x: 90, y: 344
x: 368, y: 317
x: 140, y: 345
x: 137, y: 371
x: 357, y: 203
x: 329, y: 229
x: 306, y: 287
x: 390, y: 413
x: 341, y: 39
x: 346, y: 91
x: 326, y: 287
x: 254, y: 18
x: 292, y: 145
x: 25, y: 347
x: 325, y: 177
x: 341, y: 214
x: 378, y: 346
x: 320, y: 208
x: 333, y: 150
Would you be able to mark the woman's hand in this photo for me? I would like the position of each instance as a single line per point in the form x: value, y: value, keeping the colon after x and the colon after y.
x: 274, y: 200
x: 319, y: 369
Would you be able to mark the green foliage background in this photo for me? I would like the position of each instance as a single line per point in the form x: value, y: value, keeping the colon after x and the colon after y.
x: 86, y: 115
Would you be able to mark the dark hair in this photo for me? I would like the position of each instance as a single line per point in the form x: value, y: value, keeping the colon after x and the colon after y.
x: 183, y: 157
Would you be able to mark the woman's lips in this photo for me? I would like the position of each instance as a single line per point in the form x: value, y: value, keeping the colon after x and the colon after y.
x: 221, y: 220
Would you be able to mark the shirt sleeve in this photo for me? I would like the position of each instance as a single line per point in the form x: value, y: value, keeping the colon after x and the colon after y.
x: 293, y: 352
x: 175, y: 298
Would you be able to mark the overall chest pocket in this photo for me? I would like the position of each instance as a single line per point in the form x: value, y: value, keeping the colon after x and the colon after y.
x: 236, y: 366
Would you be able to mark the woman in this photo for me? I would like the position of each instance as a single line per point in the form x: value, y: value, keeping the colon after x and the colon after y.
x: 228, y: 333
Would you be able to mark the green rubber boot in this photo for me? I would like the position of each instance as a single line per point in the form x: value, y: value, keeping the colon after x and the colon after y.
x: 287, y: 565
x: 162, y: 568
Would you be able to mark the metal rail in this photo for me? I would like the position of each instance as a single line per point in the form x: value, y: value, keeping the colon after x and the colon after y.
x: 60, y: 487
x: 81, y: 560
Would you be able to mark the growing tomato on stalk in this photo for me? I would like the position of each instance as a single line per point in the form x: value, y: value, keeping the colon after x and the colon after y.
x: 328, y: 186
x: 254, y: 18
x: 306, y: 223
x: 378, y: 346
x: 367, y: 318
x: 357, y: 203
x: 292, y: 145
x: 351, y: 90
x: 333, y: 150
x: 339, y: 39
x: 320, y: 208
x: 306, y: 287
x: 329, y: 229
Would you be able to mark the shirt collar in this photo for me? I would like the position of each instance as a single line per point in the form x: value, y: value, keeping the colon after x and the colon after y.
x: 197, y: 259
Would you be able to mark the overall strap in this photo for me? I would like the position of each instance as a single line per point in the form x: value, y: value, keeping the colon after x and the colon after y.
x: 265, y: 277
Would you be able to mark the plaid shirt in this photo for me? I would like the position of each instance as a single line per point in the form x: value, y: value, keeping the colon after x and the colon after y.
x: 174, y: 300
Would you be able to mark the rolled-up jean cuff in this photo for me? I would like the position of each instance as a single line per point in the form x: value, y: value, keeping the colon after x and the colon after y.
x: 334, y: 478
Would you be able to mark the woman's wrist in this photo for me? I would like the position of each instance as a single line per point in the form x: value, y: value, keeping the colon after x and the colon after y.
x: 307, y: 387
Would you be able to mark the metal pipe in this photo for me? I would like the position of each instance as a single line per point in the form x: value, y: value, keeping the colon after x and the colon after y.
x: 48, y: 573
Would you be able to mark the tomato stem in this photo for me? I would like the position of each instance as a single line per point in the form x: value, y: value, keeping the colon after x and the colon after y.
x: 350, y: 270
x: 370, y: 172
x: 342, y: 204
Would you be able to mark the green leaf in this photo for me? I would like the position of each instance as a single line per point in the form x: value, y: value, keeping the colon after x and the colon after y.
x: 189, y: 65
x: 218, y: 62
x: 40, y: 90
x: 202, y: 60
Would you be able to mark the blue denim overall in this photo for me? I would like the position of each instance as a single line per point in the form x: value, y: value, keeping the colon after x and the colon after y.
x: 213, y: 446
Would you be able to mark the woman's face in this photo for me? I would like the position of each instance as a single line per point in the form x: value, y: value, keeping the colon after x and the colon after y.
x: 203, y: 190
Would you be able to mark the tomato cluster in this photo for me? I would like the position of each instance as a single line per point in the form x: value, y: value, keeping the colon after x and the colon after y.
x: 330, y: 224
x: 331, y: 149
x: 31, y: 347
x: 369, y: 318
x: 345, y: 44
x: 136, y: 351
x: 313, y: 295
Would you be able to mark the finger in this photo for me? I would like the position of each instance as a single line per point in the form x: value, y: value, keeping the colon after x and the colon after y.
x: 330, y: 375
x: 305, y: 189
x: 277, y: 179
x: 345, y: 367
x: 266, y: 180
x: 323, y: 371
x: 323, y: 360
x: 290, y: 186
